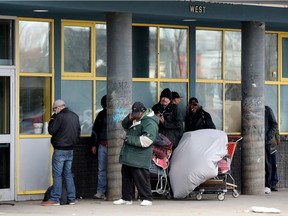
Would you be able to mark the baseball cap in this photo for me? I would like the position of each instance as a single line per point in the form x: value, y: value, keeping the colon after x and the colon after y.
x: 58, y: 103
x: 175, y: 95
x: 138, y: 107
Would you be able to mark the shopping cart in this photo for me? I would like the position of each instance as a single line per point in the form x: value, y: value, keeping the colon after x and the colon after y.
x: 224, y: 181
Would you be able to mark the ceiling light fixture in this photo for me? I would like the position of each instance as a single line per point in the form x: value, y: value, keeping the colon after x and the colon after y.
x: 189, y: 20
x: 40, y: 11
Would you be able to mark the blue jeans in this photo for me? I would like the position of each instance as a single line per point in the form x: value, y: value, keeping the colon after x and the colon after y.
x: 61, y: 167
x: 102, y: 169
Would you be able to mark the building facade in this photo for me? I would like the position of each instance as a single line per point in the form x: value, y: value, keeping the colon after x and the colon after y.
x: 49, y: 50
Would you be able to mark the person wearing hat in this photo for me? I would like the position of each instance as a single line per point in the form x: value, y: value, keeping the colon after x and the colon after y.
x: 176, y: 98
x: 141, y: 127
x: 197, y: 118
x: 99, y: 142
x: 170, y: 118
x: 65, y: 129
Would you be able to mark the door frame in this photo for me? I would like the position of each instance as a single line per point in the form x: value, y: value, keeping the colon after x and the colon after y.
x: 9, y: 193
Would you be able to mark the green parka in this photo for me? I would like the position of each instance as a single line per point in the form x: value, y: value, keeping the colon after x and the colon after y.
x: 137, y: 147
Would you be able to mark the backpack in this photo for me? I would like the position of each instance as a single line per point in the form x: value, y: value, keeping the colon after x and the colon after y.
x: 63, y: 198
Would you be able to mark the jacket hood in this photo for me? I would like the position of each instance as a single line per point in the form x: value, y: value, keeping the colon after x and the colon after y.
x: 149, y: 113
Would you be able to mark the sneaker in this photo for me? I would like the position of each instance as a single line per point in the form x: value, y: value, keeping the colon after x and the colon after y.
x: 122, y: 202
x: 274, y: 188
x: 99, y: 196
x: 267, y: 190
x: 146, y: 203
x: 49, y: 203
x: 72, y: 203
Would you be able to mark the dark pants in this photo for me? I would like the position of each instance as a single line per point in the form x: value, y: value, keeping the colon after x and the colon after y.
x: 267, y: 166
x: 138, y: 176
x: 274, y: 176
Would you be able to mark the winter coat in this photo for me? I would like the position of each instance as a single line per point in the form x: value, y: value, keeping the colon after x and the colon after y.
x: 199, y: 120
x: 271, y: 126
x: 99, y: 130
x: 137, y: 147
x: 172, y: 127
x: 65, y: 129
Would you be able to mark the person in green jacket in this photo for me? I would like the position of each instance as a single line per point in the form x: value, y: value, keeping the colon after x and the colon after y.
x: 136, y: 154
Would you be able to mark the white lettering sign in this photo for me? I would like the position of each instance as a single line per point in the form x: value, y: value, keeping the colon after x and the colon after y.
x: 197, y: 9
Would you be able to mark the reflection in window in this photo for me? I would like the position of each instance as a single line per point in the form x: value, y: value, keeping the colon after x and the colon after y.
x: 208, y: 54
x: 77, y: 49
x: 78, y: 98
x: 6, y: 42
x: 233, y: 108
x: 233, y: 55
x: 5, y: 108
x: 283, y: 108
x: 144, y: 52
x: 150, y: 96
x: 35, y: 46
x: 101, y: 50
x: 35, y: 104
x: 210, y: 97
x: 173, y: 53
x: 271, y: 53
x: 101, y: 90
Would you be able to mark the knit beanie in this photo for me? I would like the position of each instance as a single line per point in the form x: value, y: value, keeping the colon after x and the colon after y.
x: 166, y: 93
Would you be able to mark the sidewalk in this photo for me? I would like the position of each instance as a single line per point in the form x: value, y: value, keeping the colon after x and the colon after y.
x: 208, y: 206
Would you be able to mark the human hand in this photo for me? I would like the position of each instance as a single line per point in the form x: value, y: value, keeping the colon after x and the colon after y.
x: 161, y: 117
x: 94, y: 149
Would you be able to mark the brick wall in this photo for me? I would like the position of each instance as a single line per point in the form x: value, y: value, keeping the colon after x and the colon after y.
x: 282, y: 162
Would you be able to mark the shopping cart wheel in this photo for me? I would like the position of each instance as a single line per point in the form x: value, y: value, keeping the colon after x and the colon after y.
x: 235, y: 193
x: 199, y: 196
x: 221, y: 196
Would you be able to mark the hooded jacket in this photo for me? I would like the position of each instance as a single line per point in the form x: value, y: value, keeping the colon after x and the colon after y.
x: 137, y: 147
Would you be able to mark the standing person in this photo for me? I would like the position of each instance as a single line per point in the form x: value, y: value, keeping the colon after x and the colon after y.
x: 274, y: 175
x: 270, y: 131
x: 170, y: 119
x: 136, y: 154
x: 99, y: 141
x: 197, y: 118
x: 176, y: 98
x: 65, y: 129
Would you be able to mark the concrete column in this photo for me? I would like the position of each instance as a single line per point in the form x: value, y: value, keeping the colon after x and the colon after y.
x: 252, y: 73
x: 119, y: 92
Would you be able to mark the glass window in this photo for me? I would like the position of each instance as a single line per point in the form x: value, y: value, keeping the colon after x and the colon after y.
x: 149, y: 98
x: 6, y: 42
x: 173, y: 53
x: 271, y: 59
x: 283, y: 108
x: 208, y: 54
x: 285, y: 57
x: 101, y: 90
x: 5, y: 108
x: 35, y: 104
x: 101, y: 50
x: 270, y: 97
x: 144, y: 52
x: 78, y: 98
x: 34, y: 38
x: 233, y: 55
x: 5, y: 165
x: 77, y: 49
x: 210, y: 97
x: 232, y: 108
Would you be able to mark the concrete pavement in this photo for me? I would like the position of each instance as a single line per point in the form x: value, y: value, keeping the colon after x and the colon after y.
x: 208, y: 206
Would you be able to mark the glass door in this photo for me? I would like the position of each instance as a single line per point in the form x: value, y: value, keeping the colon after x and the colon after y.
x: 7, y: 124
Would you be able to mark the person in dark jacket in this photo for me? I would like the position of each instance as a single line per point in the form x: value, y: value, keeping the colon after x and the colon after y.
x: 99, y: 141
x: 197, y: 118
x: 136, y: 154
x: 271, y: 126
x: 65, y: 129
x: 170, y: 118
